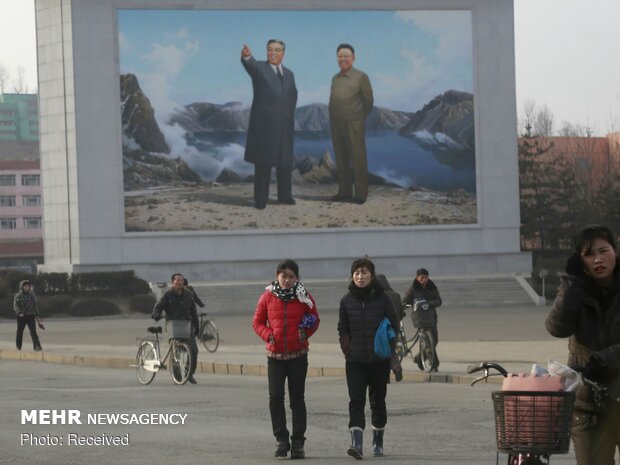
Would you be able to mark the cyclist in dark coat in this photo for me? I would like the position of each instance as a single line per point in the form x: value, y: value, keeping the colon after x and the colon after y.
x: 587, y: 311
x: 361, y: 312
x: 177, y: 303
x: 423, y: 287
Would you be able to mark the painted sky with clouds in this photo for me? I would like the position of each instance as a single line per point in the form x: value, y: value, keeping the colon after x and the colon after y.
x: 182, y: 57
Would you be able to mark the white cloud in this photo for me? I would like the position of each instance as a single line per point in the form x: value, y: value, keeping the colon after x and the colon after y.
x: 165, y: 63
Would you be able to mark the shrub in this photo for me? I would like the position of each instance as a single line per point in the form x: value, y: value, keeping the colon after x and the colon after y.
x: 142, y: 303
x: 6, y: 307
x: 13, y: 277
x: 5, y: 289
x: 95, y: 307
x: 55, y: 304
x: 137, y: 286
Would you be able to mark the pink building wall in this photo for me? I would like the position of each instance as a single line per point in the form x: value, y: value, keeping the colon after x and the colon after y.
x: 19, y: 211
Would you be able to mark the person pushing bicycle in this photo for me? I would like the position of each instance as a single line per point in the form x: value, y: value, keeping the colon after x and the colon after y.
x: 423, y: 287
x: 177, y: 303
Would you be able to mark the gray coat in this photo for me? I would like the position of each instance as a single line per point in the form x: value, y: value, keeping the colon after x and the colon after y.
x: 591, y: 321
x: 272, y: 117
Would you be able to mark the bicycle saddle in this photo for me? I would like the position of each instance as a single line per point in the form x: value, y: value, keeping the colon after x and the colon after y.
x: 154, y: 329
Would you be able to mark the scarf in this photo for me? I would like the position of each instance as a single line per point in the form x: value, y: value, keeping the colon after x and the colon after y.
x: 297, y: 291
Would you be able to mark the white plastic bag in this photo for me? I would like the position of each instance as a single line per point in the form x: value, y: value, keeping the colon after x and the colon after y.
x: 572, y: 379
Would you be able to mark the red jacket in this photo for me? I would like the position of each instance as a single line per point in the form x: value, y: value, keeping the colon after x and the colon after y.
x: 280, y: 319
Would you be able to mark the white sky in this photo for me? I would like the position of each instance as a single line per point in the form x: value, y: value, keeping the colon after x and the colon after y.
x: 567, y: 56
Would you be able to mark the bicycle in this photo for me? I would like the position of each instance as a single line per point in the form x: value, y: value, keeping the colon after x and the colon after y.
x: 423, y: 319
x: 208, y: 334
x: 530, y: 426
x: 148, y: 361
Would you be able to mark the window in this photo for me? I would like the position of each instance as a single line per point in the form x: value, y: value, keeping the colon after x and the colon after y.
x: 32, y: 223
x: 7, y: 179
x: 31, y: 200
x: 31, y: 179
x: 8, y: 223
x: 7, y: 200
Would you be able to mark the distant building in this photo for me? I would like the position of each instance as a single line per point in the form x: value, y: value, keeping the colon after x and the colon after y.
x: 21, y: 208
x: 19, y: 117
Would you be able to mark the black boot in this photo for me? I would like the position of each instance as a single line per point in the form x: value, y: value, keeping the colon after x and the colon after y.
x: 377, y: 442
x: 282, y: 448
x: 297, y: 448
x: 357, y: 440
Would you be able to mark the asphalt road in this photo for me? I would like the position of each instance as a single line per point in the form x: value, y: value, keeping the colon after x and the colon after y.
x: 228, y: 422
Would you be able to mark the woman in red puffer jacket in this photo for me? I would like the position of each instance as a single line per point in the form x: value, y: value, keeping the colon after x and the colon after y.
x: 285, y: 318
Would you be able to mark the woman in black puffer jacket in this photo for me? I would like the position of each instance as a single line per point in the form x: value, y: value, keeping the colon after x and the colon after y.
x: 361, y: 312
x: 587, y: 310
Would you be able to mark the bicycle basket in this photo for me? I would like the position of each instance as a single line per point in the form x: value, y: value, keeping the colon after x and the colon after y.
x: 422, y: 315
x: 533, y: 422
x: 179, y: 328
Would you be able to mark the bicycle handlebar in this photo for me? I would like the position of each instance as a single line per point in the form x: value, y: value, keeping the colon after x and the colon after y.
x: 485, y: 366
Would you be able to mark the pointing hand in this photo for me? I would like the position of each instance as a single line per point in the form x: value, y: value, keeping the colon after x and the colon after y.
x: 245, y: 51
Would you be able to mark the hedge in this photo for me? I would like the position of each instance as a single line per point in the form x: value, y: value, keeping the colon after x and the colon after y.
x: 95, y: 307
x: 142, y: 303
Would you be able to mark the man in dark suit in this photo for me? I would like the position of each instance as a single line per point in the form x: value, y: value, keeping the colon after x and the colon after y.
x: 272, y: 120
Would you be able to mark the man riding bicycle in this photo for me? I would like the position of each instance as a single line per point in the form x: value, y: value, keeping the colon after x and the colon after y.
x: 177, y: 303
x: 424, y: 288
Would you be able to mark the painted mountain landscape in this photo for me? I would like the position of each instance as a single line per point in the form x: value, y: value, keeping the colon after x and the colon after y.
x: 184, y: 168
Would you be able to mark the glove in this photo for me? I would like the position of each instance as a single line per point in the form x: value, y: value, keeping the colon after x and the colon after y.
x: 574, y: 266
x: 398, y: 372
x: 595, y: 369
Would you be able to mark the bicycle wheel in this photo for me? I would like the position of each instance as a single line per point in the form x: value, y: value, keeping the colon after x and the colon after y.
x: 180, y: 362
x: 145, y: 363
x: 427, y: 351
x: 209, y: 336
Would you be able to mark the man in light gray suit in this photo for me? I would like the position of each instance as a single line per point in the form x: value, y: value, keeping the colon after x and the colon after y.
x: 272, y: 121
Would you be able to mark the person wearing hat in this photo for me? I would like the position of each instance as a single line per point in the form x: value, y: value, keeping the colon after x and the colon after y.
x: 423, y: 287
x: 27, y: 311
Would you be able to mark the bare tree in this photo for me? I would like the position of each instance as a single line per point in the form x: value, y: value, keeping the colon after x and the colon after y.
x: 543, y: 123
x: 19, y: 85
x: 4, y: 77
x: 539, y: 120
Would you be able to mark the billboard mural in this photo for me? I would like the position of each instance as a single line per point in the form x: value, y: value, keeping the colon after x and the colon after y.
x: 186, y: 104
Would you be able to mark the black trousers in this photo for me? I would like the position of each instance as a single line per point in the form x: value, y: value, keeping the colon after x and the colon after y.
x: 371, y: 376
x: 279, y: 371
x: 262, y: 176
x: 596, y: 437
x: 31, y: 321
x: 193, y: 352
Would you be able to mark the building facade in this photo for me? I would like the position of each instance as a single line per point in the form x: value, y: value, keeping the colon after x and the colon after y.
x: 19, y: 117
x: 21, y: 214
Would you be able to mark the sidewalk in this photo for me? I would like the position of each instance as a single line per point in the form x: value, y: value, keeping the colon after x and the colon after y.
x: 467, y: 336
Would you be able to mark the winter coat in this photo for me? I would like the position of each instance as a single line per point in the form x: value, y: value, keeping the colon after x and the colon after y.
x: 430, y: 293
x: 272, y: 116
x: 591, y: 321
x: 177, y: 307
x: 277, y: 323
x: 25, y: 302
x: 359, y: 319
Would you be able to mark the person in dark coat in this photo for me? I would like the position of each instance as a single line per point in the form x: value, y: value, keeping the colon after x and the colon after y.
x: 361, y: 311
x: 285, y: 318
x: 177, y: 303
x: 587, y: 311
x: 272, y: 122
x: 423, y: 287
x: 27, y: 311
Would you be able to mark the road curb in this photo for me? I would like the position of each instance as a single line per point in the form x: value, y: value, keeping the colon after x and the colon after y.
x: 222, y: 368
